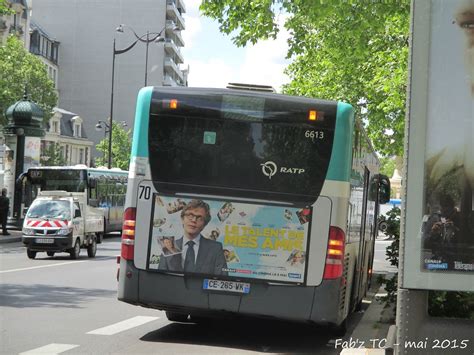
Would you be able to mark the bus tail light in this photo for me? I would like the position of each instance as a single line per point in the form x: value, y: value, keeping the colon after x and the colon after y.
x: 335, y: 254
x: 128, y: 233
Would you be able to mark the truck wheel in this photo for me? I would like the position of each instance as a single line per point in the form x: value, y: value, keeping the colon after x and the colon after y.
x: 92, y: 248
x: 176, y: 317
x: 76, y: 250
x: 99, y: 237
x: 50, y: 253
x: 31, y: 254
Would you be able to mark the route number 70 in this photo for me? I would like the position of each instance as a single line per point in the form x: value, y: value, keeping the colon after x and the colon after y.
x: 144, y: 192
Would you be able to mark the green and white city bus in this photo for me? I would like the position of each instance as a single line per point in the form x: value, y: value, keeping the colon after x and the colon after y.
x: 245, y: 202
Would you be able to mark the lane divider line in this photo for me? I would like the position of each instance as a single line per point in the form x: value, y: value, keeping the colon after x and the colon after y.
x: 51, y: 349
x: 124, y: 325
x: 42, y: 266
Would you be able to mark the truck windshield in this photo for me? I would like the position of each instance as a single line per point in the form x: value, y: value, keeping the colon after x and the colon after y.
x: 59, y: 209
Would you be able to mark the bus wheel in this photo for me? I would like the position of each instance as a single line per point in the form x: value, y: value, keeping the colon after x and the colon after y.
x: 31, y: 254
x: 341, y: 329
x: 76, y: 250
x: 50, y: 253
x: 92, y: 248
x: 176, y: 317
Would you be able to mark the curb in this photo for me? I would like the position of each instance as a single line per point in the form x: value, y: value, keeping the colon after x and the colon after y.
x: 15, y: 237
x: 372, y: 333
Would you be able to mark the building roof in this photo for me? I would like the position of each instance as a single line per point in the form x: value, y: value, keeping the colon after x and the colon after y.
x: 35, y: 27
x: 66, y: 123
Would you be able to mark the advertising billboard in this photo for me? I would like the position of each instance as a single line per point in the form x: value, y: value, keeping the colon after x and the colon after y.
x: 439, y: 212
x: 229, y: 238
x: 32, y: 152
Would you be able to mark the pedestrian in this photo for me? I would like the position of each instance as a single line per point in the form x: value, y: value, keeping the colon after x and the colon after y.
x: 4, y: 207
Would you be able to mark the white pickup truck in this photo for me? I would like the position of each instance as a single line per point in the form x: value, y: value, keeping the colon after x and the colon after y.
x: 60, y: 221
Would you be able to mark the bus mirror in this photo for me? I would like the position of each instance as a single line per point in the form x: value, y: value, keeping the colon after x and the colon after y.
x: 384, y: 188
x: 93, y: 202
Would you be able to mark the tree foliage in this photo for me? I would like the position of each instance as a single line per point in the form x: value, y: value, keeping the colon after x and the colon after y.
x: 387, y: 166
x: 52, y: 155
x: 121, y: 148
x: 4, y: 8
x: 347, y: 50
x: 20, y: 69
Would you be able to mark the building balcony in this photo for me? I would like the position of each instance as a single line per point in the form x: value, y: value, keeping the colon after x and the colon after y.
x: 169, y: 81
x: 173, y: 51
x: 172, y: 69
x: 174, y: 14
x: 172, y: 33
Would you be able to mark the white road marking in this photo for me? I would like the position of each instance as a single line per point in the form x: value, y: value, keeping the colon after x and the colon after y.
x: 124, y: 325
x: 42, y: 266
x: 51, y: 349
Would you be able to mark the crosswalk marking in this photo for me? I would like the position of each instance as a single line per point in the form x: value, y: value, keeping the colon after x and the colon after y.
x: 124, y: 325
x: 51, y: 349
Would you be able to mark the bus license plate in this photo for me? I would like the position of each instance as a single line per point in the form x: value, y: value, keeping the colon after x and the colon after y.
x: 227, y: 286
x: 44, y: 241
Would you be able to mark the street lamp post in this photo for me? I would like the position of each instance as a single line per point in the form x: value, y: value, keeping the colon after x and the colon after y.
x: 155, y: 37
x: 107, y: 129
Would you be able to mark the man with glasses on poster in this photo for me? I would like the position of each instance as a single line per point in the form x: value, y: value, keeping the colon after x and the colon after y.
x: 199, y: 255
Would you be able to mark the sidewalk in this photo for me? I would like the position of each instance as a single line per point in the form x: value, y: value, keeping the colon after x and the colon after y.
x: 370, y: 335
x: 15, y: 236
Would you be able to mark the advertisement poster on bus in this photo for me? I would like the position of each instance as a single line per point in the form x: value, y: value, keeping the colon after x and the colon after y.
x: 229, y: 238
x: 440, y: 220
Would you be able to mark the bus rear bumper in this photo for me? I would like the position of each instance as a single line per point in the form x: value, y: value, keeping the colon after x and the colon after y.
x: 175, y: 293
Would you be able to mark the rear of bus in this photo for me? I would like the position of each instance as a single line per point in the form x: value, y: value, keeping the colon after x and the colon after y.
x: 274, y: 172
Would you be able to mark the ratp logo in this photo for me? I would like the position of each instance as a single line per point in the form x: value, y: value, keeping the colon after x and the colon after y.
x: 269, y: 169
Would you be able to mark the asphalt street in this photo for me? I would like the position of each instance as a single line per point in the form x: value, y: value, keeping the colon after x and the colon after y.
x: 55, y: 304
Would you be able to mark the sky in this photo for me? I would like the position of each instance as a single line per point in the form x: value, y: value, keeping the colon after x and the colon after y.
x: 214, y: 61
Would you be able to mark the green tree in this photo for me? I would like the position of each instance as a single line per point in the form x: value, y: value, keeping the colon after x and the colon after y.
x: 4, y: 8
x: 52, y: 155
x: 346, y: 50
x: 20, y: 69
x: 121, y: 147
x: 387, y: 166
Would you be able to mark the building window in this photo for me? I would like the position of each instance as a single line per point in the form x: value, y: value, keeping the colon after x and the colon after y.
x: 74, y: 155
x: 55, y: 128
x: 77, y: 130
x: 81, y: 156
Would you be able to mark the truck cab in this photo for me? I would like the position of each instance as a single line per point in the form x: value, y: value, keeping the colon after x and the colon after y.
x: 58, y: 221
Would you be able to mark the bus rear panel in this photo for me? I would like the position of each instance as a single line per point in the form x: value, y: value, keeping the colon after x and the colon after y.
x: 265, y: 180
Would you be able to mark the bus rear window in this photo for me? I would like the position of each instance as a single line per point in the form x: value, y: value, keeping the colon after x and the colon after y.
x: 241, y: 145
